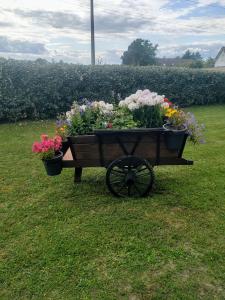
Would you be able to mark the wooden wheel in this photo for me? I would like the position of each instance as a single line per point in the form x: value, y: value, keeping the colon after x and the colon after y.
x: 130, y: 176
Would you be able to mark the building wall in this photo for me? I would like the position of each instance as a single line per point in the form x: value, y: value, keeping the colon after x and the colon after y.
x: 220, y: 62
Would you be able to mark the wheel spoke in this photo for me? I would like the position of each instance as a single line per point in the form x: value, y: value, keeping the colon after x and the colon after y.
x: 137, y: 189
x: 118, y: 171
x: 145, y: 175
x: 142, y: 183
x: 117, y: 182
x: 117, y: 177
x: 141, y: 170
x: 123, y: 186
x: 129, y: 190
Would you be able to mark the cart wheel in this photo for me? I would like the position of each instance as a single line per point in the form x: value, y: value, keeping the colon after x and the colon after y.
x: 130, y: 176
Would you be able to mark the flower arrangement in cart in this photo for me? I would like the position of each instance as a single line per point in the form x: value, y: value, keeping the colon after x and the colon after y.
x: 144, y: 109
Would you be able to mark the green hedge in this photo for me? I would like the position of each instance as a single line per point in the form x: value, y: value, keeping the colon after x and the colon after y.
x: 38, y: 90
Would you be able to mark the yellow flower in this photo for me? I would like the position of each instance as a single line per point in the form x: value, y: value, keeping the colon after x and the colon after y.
x: 170, y: 112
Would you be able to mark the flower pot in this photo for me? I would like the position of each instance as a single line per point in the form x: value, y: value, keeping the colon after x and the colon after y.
x: 65, y: 146
x: 174, y: 137
x: 53, y: 166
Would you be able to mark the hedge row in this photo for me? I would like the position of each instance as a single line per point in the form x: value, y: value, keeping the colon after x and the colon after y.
x: 38, y: 90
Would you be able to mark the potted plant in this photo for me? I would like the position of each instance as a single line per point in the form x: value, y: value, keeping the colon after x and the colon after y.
x: 48, y: 149
x: 180, y: 124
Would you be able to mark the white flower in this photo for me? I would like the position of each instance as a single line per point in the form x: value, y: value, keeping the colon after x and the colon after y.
x: 83, y: 107
x: 141, y: 98
x: 132, y: 106
x: 69, y: 115
x: 165, y: 105
x: 122, y: 103
x: 105, y: 108
x: 109, y: 107
x: 73, y: 111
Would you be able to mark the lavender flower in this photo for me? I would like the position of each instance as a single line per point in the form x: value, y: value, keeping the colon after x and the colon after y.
x: 195, y: 130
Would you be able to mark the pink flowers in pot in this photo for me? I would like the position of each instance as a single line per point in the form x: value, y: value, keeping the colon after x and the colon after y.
x: 47, y: 148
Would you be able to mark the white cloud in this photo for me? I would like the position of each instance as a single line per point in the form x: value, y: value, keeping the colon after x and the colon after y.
x: 63, y: 26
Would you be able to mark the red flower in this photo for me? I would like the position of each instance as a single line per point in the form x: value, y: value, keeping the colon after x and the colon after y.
x: 36, y: 147
x: 168, y: 101
x: 47, y: 144
x: 109, y: 125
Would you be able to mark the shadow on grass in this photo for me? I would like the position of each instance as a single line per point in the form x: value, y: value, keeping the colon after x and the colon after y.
x: 92, y: 191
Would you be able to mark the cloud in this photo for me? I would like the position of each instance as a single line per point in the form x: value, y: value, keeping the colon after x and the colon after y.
x: 104, y: 22
x: 17, y: 46
x: 5, y: 24
x: 63, y: 26
x: 207, y: 49
x: 55, y: 19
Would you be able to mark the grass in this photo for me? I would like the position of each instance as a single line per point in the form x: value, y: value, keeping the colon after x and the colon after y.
x: 66, y: 241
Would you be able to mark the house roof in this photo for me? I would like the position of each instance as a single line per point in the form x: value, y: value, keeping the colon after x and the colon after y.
x: 220, y: 52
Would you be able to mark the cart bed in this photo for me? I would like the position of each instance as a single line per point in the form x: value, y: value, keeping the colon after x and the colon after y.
x: 105, y: 146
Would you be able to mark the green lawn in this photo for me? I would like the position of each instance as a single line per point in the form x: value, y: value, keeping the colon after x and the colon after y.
x: 66, y: 241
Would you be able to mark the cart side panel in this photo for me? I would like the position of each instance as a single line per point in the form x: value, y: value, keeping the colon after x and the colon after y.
x: 86, y: 150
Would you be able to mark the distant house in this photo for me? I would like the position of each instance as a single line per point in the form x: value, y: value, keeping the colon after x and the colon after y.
x: 220, y: 59
x: 174, y: 62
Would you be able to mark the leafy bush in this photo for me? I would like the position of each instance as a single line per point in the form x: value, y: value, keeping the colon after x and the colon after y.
x: 38, y: 90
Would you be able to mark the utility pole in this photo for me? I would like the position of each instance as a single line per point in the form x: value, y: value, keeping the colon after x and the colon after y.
x: 92, y: 34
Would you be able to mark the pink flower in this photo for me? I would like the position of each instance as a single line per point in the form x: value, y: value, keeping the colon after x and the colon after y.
x: 57, y: 142
x: 47, y: 145
x: 36, y: 148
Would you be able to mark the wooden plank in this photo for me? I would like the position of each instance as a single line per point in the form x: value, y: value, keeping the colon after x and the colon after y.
x: 83, y: 139
x: 93, y: 163
x: 175, y: 161
x: 114, y: 151
x: 128, y: 131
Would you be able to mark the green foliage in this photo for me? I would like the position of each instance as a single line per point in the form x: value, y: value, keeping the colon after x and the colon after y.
x: 40, y: 90
x: 148, y: 116
x: 140, y: 53
x: 123, y: 119
x: 209, y: 63
x: 82, y: 123
x: 197, y: 64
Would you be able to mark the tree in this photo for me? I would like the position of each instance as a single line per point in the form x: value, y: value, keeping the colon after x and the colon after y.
x: 197, y: 56
x: 197, y: 64
x: 192, y: 55
x: 140, y: 53
x: 187, y: 55
x: 210, y: 62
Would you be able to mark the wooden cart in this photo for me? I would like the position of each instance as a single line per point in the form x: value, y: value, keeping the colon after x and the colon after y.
x: 128, y: 155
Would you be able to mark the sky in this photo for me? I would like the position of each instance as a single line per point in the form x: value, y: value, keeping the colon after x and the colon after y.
x: 60, y: 29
